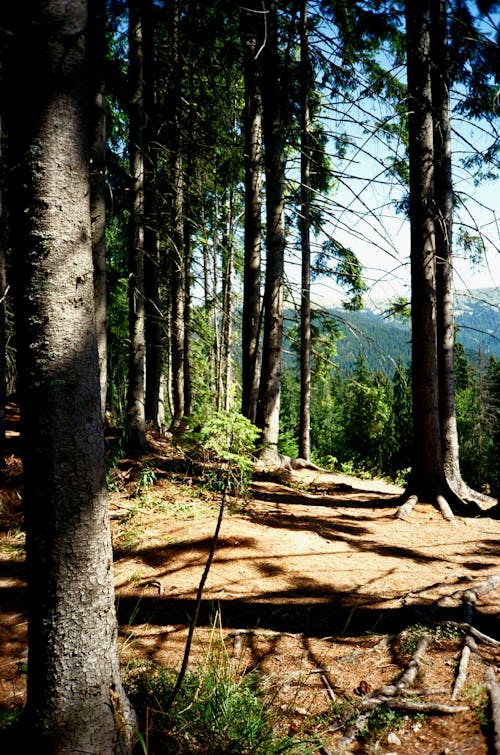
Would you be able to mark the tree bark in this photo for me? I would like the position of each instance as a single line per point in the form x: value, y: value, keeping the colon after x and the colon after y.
x: 97, y: 39
x: 428, y: 479
x: 270, y: 380
x: 305, y: 203
x: 443, y: 204
x: 154, y: 412
x: 136, y: 417
x: 254, y: 26
x: 176, y: 266
x: 75, y: 701
x: 3, y: 295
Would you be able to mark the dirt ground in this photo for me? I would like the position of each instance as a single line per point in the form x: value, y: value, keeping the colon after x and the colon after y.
x: 315, y: 583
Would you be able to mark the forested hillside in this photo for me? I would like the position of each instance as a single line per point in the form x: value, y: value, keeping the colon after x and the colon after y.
x: 384, y: 339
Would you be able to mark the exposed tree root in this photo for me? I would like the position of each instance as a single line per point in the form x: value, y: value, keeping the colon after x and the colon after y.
x: 390, y: 696
x: 469, y: 596
x: 414, y: 706
x: 410, y: 499
x: 450, y: 500
x: 270, y: 460
x: 462, y: 667
x: 494, y: 693
x: 470, y: 496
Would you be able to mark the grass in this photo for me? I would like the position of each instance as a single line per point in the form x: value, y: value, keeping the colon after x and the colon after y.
x: 219, y: 710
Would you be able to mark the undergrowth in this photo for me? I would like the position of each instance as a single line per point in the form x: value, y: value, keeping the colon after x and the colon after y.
x: 219, y: 710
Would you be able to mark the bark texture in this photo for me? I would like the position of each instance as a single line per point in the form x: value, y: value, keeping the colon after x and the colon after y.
x: 253, y: 26
x: 75, y: 702
x: 136, y: 414
x: 97, y: 40
x: 270, y: 380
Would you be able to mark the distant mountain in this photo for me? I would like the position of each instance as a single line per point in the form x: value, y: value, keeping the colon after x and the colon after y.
x: 383, y: 340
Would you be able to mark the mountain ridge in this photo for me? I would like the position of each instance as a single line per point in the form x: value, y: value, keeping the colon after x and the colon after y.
x: 384, y: 339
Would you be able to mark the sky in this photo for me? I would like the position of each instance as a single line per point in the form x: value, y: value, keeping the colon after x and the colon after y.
x: 364, y: 218
x: 363, y: 215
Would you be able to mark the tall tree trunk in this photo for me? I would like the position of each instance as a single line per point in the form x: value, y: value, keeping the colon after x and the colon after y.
x: 177, y: 270
x: 75, y: 701
x: 443, y: 194
x: 253, y: 26
x: 428, y: 480
x: 209, y: 300
x: 270, y: 381
x: 97, y: 39
x: 305, y: 203
x: 227, y: 300
x: 136, y: 419
x: 188, y: 386
x: 3, y: 295
x: 154, y: 412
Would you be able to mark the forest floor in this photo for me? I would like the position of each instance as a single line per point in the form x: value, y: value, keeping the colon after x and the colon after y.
x: 314, y: 582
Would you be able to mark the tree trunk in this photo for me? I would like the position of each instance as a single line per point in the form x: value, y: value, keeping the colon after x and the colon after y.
x: 177, y: 271
x: 270, y: 380
x: 227, y: 300
x: 305, y: 202
x: 153, y: 310
x: 97, y: 39
x: 188, y: 385
x: 3, y: 295
x: 443, y: 194
x: 428, y: 480
x: 75, y: 702
x: 136, y: 419
x: 254, y: 26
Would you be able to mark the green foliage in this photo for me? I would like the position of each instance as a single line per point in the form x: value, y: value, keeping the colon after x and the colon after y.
x: 341, y: 263
x: 288, y: 444
x: 228, y: 438
x: 145, y: 480
x: 480, y: 703
x: 218, y: 710
x: 379, y: 722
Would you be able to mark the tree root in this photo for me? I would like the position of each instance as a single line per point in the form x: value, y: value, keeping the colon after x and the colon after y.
x: 410, y: 499
x: 447, y: 500
x: 494, y: 692
x: 410, y: 674
x: 469, y: 646
x: 389, y: 696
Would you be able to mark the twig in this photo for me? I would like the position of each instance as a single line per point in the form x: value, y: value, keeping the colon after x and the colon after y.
x: 199, y: 596
x: 331, y: 693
